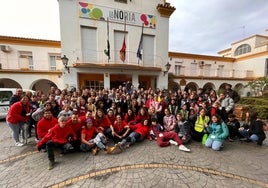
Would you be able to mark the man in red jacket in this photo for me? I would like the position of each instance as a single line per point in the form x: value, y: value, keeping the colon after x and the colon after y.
x: 58, y: 136
x: 45, y: 123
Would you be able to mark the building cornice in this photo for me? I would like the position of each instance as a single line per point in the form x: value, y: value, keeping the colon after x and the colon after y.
x: 28, y: 71
x: 29, y: 41
x: 115, y: 66
x: 200, y: 57
x: 165, y: 9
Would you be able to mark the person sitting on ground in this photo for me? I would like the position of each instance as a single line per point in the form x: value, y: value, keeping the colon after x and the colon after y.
x: 57, y: 137
x: 169, y: 121
x: 101, y: 121
x: 218, y: 131
x: 233, y: 125
x: 130, y: 116
x: 253, y: 131
x: 165, y: 139
x: 199, y: 128
x: 140, y: 132
x: 92, y: 139
x: 118, y: 130
x: 76, y: 124
x: 183, y: 128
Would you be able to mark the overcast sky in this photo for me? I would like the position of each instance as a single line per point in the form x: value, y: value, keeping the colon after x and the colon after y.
x: 197, y: 26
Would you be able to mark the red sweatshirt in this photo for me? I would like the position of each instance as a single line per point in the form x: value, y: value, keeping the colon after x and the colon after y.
x: 76, y: 126
x: 44, y: 125
x: 58, y: 135
x: 141, y: 129
x: 14, y: 114
x: 104, y: 122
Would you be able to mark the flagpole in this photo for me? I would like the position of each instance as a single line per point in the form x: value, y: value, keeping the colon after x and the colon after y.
x: 108, y: 39
x: 140, y: 47
x: 107, y: 51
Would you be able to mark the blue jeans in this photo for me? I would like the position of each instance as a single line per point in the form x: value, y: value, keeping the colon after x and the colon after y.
x: 214, y: 144
x: 15, y: 130
x: 254, y: 137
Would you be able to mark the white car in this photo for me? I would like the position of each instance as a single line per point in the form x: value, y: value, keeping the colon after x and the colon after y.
x: 5, y: 94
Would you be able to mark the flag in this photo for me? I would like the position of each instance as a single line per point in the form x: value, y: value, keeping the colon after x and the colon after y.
x: 107, y: 51
x: 140, y: 48
x: 123, y: 50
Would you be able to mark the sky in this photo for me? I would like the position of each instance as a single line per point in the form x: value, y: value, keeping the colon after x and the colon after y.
x: 197, y: 26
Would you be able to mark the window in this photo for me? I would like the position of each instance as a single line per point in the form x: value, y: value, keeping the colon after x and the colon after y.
x: 121, y: 1
x: 53, y: 59
x: 89, y: 44
x: 242, y: 49
x: 177, y: 70
x: 31, y: 65
x: 94, y: 84
x: 26, y: 60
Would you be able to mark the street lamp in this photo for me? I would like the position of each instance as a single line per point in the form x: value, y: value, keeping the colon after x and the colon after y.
x: 65, y: 60
x: 167, y: 66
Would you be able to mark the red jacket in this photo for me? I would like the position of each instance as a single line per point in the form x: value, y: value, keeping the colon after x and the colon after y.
x: 58, y: 135
x: 44, y: 125
x: 77, y: 126
x: 15, y: 115
x: 89, y: 133
x: 119, y: 127
x: 104, y: 122
x: 143, y: 130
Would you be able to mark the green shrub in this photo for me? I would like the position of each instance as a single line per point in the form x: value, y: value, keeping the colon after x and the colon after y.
x: 258, y: 104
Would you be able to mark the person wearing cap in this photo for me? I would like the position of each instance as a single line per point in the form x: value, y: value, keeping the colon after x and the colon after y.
x: 93, y: 139
x: 58, y: 136
x: 164, y: 138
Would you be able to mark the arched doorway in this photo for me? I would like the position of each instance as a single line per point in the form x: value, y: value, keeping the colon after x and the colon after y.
x: 8, y: 83
x: 43, y: 85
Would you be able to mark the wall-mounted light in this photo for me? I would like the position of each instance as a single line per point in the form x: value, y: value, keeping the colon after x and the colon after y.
x: 65, y: 60
x: 201, y: 64
x: 167, y: 66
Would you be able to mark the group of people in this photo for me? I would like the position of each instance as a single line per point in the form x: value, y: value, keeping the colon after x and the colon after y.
x: 89, y: 120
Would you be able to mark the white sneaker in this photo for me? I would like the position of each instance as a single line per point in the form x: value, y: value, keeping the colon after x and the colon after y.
x: 173, y: 142
x: 183, y: 148
x: 19, y: 144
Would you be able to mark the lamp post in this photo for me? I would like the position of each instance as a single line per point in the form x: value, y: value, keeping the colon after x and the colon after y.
x: 167, y: 66
x: 65, y: 60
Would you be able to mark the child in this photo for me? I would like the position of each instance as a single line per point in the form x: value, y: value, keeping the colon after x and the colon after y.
x: 233, y: 125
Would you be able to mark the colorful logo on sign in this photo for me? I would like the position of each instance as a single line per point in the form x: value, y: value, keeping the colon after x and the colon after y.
x: 87, y: 10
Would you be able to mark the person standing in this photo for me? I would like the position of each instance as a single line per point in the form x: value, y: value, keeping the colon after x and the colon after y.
x: 18, y: 114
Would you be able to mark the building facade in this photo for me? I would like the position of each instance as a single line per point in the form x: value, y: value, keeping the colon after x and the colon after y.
x: 30, y: 63
x: 123, y: 28
x: 92, y: 36
x: 244, y: 61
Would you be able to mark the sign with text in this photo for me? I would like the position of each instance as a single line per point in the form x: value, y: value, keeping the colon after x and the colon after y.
x: 87, y: 10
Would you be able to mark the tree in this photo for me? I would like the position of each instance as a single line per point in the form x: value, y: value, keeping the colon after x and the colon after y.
x: 258, y: 85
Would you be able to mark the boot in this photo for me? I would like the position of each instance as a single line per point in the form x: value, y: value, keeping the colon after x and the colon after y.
x: 95, y: 150
x: 51, y: 164
x: 109, y: 149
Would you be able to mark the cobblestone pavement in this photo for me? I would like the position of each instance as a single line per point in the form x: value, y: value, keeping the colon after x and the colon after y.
x: 145, y: 164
